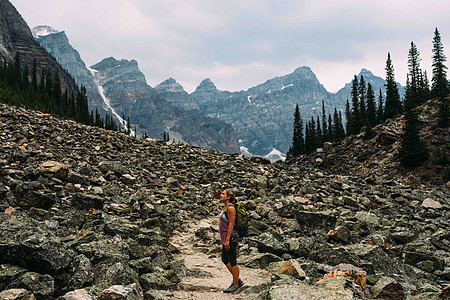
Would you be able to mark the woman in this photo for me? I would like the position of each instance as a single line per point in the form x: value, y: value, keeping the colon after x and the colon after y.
x: 228, y: 236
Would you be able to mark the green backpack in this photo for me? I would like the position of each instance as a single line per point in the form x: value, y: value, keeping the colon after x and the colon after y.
x: 241, y: 219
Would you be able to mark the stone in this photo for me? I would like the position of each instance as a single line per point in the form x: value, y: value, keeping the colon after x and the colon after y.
x: 355, y: 274
x: 87, y: 201
x: 268, y: 243
x: 292, y: 268
x: 313, y: 221
x: 155, y: 281
x: 42, y: 286
x: 16, y: 294
x: 55, y: 169
x: 130, y: 292
x: 80, y: 294
x: 260, y: 261
x: 388, y: 288
x: 430, y: 203
x: 118, y: 274
x: 113, y: 166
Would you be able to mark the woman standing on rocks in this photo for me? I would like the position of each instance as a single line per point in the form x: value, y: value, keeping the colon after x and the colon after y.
x: 228, y: 236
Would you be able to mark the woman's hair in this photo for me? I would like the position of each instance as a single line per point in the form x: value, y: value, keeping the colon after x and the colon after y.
x: 230, y: 193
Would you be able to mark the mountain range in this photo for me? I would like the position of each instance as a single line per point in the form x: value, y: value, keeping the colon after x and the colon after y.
x: 260, y: 116
x: 119, y: 88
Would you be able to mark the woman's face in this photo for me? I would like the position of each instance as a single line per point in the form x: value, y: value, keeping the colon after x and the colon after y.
x: 224, y: 196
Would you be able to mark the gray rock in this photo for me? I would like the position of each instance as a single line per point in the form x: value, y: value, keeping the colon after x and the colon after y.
x: 260, y: 261
x: 268, y: 243
x: 130, y: 292
x: 388, y: 288
x: 313, y: 221
x: 17, y: 294
x: 42, y: 286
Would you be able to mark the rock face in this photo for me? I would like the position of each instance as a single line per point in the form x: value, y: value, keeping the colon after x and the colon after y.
x: 57, y: 44
x: 128, y: 94
x: 102, y: 236
x: 16, y: 37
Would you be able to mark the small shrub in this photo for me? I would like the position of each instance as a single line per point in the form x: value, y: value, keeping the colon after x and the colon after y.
x: 363, y: 156
x: 425, y: 176
x: 387, y: 148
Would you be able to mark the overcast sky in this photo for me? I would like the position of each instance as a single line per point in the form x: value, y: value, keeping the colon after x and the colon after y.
x: 241, y: 43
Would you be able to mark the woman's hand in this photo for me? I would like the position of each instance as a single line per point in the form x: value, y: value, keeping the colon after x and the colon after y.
x: 227, y: 245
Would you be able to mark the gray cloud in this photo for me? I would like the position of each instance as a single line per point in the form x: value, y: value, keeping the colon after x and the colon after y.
x: 239, y: 44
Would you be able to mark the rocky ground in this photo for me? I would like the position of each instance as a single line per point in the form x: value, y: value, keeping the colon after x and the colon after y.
x: 91, y: 214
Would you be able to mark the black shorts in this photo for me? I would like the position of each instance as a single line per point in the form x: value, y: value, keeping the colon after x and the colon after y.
x: 230, y: 256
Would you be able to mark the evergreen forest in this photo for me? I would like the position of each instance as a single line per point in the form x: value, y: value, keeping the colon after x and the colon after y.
x: 21, y: 86
x: 365, y: 111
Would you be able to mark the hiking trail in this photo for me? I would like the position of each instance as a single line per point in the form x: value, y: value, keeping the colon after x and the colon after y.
x: 205, y: 275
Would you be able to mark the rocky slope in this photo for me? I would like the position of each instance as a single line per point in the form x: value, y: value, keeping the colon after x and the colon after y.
x: 16, y: 37
x: 87, y: 213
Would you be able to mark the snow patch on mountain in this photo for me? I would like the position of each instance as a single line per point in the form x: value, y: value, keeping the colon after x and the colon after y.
x: 107, y: 101
x: 43, y: 30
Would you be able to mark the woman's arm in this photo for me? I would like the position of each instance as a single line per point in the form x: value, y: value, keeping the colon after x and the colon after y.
x: 231, y: 215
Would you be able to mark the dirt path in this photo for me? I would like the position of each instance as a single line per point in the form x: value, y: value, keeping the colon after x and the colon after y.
x: 206, y: 276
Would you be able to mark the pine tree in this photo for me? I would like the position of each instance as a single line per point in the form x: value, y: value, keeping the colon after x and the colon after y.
x: 413, y: 151
x: 415, y: 77
x: 393, y: 105
x: 355, y: 119
x: 298, y: 142
x: 362, y: 103
x: 439, y: 83
x: 371, y: 110
x: 380, y: 108
x: 348, y: 118
x: 319, y: 135
x: 325, y: 128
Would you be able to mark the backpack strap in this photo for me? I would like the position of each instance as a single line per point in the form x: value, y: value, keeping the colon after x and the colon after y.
x: 226, y: 212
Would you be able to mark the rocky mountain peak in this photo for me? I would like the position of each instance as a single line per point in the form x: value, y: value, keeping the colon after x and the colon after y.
x: 206, y: 85
x: 43, y: 30
x: 365, y: 73
x: 169, y: 85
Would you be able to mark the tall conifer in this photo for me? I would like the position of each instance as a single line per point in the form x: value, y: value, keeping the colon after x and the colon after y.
x: 393, y: 106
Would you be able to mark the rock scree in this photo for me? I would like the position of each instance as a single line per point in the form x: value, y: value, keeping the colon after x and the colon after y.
x: 87, y: 213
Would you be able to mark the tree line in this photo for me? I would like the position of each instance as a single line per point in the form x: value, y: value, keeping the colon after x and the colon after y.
x: 365, y: 112
x: 21, y: 86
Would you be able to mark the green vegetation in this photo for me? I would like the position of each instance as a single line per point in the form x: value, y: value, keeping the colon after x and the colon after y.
x: 20, y: 88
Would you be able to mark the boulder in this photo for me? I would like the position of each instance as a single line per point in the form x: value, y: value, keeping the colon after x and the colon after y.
x: 268, y: 243
x: 42, y: 286
x: 17, y: 294
x: 388, y: 288
x: 260, y: 261
x: 130, y: 292
x: 430, y: 203
x: 313, y: 221
x: 80, y: 294
x: 55, y: 169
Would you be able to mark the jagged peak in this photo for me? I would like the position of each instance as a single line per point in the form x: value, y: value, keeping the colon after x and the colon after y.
x: 43, y: 30
x: 205, y: 85
x: 169, y: 85
x: 365, y: 73
x: 111, y: 62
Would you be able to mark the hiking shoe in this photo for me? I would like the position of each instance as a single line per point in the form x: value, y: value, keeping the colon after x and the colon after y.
x: 240, y: 283
x: 231, y: 289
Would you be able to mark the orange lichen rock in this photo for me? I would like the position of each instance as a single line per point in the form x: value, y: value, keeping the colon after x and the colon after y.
x: 357, y: 275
